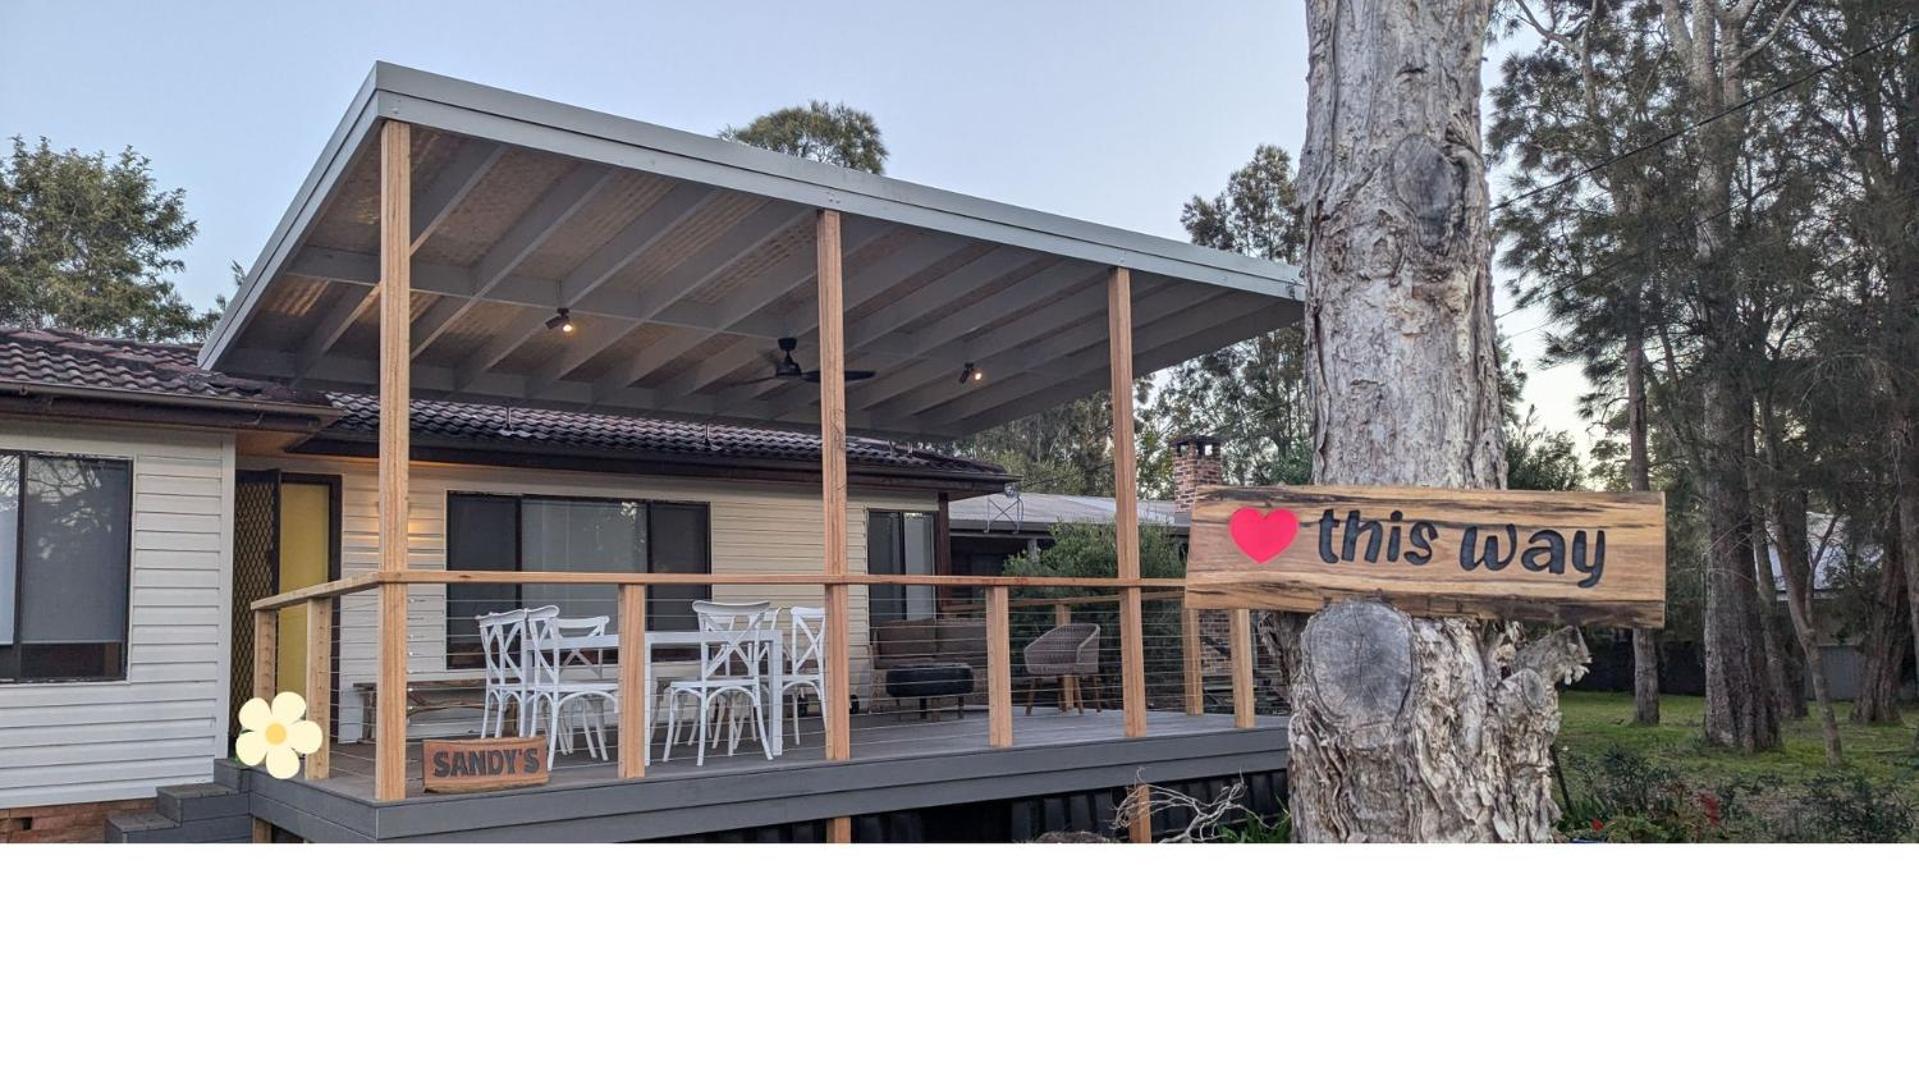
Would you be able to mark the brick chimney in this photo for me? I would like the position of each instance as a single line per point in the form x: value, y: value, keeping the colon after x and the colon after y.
x: 1196, y: 464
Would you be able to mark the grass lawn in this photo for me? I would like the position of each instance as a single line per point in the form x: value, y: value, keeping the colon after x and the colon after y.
x: 1597, y: 722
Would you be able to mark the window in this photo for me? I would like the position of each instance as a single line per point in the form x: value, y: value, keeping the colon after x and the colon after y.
x: 539, y: 532
x: 65, y: 528
x: 899, y: 542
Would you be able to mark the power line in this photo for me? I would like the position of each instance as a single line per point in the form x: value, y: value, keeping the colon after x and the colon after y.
x: 1703, y: 121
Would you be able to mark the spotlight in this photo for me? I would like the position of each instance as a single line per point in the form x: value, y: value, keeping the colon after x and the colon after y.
x: 971, y: 373
x: 563, y: 322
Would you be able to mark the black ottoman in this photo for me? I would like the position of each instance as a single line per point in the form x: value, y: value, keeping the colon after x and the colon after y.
x: 925, y: 681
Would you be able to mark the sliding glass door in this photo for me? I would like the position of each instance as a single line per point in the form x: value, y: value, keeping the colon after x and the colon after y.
x: 541, y: 532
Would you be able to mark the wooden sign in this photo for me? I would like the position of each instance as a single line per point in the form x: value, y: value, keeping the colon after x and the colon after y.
x: 483, y: 764
x: 1575, y: 557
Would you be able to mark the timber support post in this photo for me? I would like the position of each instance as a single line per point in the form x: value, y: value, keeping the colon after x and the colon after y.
x: 633, y: 688
x: 266, y: 654
x: 1242, y: 661
x: 1192, y: 662
x: 999, y: 668
x: 319, y: 687
x: 832, y: 319
x: 1139, y: 828
x: 396, y: 301
x: 1132, y: 620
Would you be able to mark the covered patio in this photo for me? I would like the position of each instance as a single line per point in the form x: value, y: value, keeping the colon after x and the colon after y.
x: 465, y: 243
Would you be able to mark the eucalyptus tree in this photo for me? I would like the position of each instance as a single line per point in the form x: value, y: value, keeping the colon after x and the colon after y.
x: 1716, y: 47
x: 835, y: 134
x: 1408, y: 729
x: 1646, y: 122
x: 1585, y: 231
x: 1251, y: 395
x: 1866, y: 117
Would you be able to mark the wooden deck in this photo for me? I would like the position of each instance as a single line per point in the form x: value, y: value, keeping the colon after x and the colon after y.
x: 875, y: 737
x: 898, y: 763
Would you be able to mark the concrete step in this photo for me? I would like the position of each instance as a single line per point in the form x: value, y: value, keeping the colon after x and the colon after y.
x: 133, y: 826
x: 158, y: 829
x: 230, y: 773
x: 199, y: 802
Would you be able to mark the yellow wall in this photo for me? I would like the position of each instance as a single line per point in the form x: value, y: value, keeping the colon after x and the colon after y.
x: 305, y: 522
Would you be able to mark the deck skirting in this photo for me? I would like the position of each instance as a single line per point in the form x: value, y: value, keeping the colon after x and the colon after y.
x: 694, y: 803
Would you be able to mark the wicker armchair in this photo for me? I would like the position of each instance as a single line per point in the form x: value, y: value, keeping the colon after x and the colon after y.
x: 1068, y: 653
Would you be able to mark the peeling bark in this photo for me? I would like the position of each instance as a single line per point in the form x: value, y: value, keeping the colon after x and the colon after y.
x: 1421, y: 730
x: 1409, y: 729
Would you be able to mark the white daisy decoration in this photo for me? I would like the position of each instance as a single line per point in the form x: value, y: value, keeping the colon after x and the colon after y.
x: 278, y: 734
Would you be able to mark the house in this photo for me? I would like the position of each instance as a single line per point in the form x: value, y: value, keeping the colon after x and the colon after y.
x: 986, y: 530
x: 225, y: 490
x: 1838, y: 630
x: 117, y: 490
x: 1838, y: 627
x: 503, y: 352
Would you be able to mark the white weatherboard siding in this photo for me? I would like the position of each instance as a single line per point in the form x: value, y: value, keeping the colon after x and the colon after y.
x: 757, y: 527
x: 166, y: 721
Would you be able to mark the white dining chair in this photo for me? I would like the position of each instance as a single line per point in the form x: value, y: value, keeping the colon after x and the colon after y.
x: 805, y: 658
x: 548, y: 686
x: 732, y: 659
x: 589, y: 657
x: 503, y: 646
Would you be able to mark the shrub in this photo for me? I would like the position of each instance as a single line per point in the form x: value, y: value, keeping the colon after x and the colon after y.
x: 1088, y: 551
x: 1626, y: 797
x: 1852, y: 809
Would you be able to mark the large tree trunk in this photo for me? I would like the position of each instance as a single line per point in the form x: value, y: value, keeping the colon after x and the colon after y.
x: 1739, y: 699
x: 1884, y: 642
x: 1645, y: 643
x: 1784, y: 687
x: 1906, y: 442
x: 1795, y: 565
x: 1408, y: 729
x: 1708, y: 38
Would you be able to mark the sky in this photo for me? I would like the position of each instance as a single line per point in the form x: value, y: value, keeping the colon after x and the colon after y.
x: 1114, y: 111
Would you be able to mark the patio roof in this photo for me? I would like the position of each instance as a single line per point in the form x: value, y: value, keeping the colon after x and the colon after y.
x: 684, y: 257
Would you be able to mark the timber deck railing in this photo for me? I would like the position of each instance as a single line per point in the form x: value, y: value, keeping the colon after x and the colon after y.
x: 1173, y: 643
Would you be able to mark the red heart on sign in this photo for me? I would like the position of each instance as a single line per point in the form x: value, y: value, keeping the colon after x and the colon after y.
x: 1262, y: 535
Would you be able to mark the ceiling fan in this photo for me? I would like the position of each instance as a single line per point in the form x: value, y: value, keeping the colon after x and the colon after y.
x: 785, y: 367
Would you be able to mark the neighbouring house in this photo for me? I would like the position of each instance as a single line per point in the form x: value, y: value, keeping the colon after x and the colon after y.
x: 1835, y: 555
x: 987, y: 530
x: 504, y: 354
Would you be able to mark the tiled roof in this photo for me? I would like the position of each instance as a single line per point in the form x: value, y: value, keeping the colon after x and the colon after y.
x: 60, y: 360
x: 559, y: 431
x: 63, y: 360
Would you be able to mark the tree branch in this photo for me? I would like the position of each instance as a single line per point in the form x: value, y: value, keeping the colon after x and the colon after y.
x: 1777, y: 25
x: 1676, y: 31
x: 1554, y: 36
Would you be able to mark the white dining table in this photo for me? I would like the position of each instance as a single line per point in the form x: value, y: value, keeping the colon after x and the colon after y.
x: 770, y: 636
